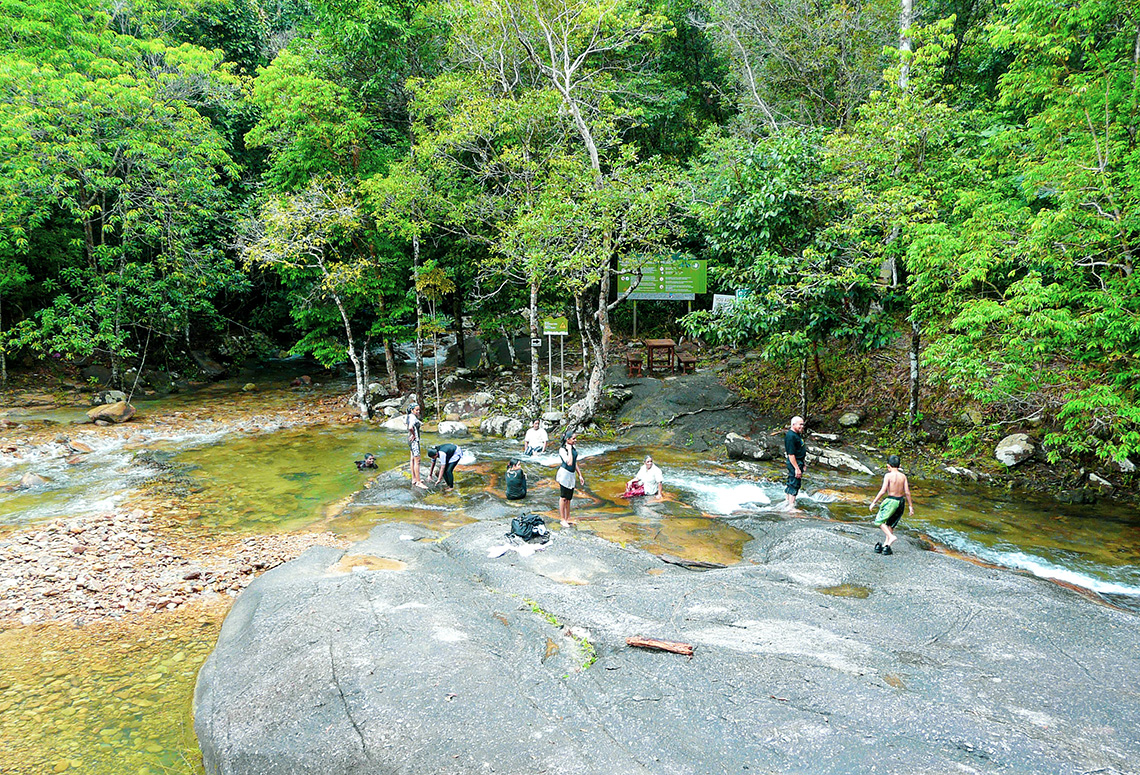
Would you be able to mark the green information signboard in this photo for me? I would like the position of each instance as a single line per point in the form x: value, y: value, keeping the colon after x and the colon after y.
x: 555, y: 327
x: 678, y: 278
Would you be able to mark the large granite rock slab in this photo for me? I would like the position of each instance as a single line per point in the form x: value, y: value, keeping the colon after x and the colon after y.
x: 415, y: 654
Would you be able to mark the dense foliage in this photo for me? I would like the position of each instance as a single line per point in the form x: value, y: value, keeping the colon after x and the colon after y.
x: 345, y: 176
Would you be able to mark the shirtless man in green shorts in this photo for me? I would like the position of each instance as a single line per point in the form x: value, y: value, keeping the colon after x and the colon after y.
x: 895, y: 488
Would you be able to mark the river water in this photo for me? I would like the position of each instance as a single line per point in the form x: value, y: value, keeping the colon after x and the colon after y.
x: 113, y: 698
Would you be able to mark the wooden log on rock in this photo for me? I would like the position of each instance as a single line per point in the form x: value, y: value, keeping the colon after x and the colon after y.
x: 660, y: 645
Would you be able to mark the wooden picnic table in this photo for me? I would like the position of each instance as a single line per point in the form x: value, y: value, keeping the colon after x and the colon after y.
x: 659, y: 350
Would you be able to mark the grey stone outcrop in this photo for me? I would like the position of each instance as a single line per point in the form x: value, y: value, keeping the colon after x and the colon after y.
x: 397, y: 423
x: 452, y: 429
x: 1015, y: 449
x: 835, y: 458
x: 501, y: 425
x: 413, y: 653
x: 765, y: 447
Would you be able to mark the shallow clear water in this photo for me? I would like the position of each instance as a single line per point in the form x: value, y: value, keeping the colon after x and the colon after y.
x: 112, y: 698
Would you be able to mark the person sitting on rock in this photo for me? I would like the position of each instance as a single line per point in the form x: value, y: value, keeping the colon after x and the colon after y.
x: 516, y: 480
x: 369, y: 461
x: 648, y: 481
x: 895, y: 488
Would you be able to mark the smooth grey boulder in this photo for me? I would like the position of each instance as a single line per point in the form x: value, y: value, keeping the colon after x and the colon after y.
x: 1014, y: 449
x: 850, y: 419
x: 108, y: 397
x: 765, y: 447
x: 452, y: 429
x: 501, y: 425
x: 411, y: 653
x: 397, y: 423
x: 834, y: 458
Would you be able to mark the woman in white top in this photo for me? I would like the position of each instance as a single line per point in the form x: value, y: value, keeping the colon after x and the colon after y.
x: 568, y: 474
x: 651, y: 479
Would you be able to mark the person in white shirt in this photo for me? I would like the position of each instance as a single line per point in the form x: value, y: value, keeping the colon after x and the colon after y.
x: 651, y: 479
x: 534, y: 443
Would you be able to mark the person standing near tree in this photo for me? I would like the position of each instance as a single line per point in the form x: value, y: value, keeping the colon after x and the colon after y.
x: 796, y: 452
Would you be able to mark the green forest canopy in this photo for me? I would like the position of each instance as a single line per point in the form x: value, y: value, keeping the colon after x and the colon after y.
x: 313, y: 168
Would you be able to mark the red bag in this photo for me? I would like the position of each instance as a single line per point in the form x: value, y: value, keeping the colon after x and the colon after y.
x: 634, y: 490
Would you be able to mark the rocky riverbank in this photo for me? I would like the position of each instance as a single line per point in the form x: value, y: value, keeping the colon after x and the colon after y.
x: 113, y: 564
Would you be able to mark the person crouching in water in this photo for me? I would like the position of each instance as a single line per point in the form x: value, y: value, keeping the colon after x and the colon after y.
x: 369, y: 461
x: 647, y: 481
x: 516, y: 480
x: 568, y: 469
x: 447, y: 456
x: 895, y: 488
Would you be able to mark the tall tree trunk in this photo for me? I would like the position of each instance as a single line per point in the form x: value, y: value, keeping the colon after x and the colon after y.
x: 803, y: 387
x: 365, y: 359
x: 361, y: 391
x: 915, y: 343
x: 535, y: 382
x: 419, y: 320
x: 3, y: 347
x: 582, y: 332
x: 460, y: 338
x: 390, y: 363
x: 512, y: 354
x: 906, y: 20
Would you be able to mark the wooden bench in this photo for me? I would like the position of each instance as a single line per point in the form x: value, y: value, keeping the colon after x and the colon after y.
x: 686, y: 361
x: 633, y: 363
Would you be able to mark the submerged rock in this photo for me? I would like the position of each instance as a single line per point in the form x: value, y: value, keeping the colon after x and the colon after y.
x: 32, y: 480
x: 423, y: 654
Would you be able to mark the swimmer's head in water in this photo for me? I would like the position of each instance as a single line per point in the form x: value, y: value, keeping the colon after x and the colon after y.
x: 894, y: 461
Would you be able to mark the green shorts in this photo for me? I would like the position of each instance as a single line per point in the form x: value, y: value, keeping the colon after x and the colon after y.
x: 890, y: 511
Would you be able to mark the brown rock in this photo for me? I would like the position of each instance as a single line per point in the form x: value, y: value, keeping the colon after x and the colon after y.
x: 112, y: 413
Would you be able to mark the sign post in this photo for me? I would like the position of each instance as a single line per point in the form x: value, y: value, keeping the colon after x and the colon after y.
x: 559, y: 327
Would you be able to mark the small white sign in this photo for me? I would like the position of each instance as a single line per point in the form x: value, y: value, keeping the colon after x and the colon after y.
x: 536, y: 343
x: 722, y: 302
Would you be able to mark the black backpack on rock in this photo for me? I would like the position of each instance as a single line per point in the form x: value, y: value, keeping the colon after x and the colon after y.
x: 530, y: 527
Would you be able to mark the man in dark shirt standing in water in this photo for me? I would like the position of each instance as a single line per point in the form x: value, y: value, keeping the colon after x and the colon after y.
x: 796, y: 451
